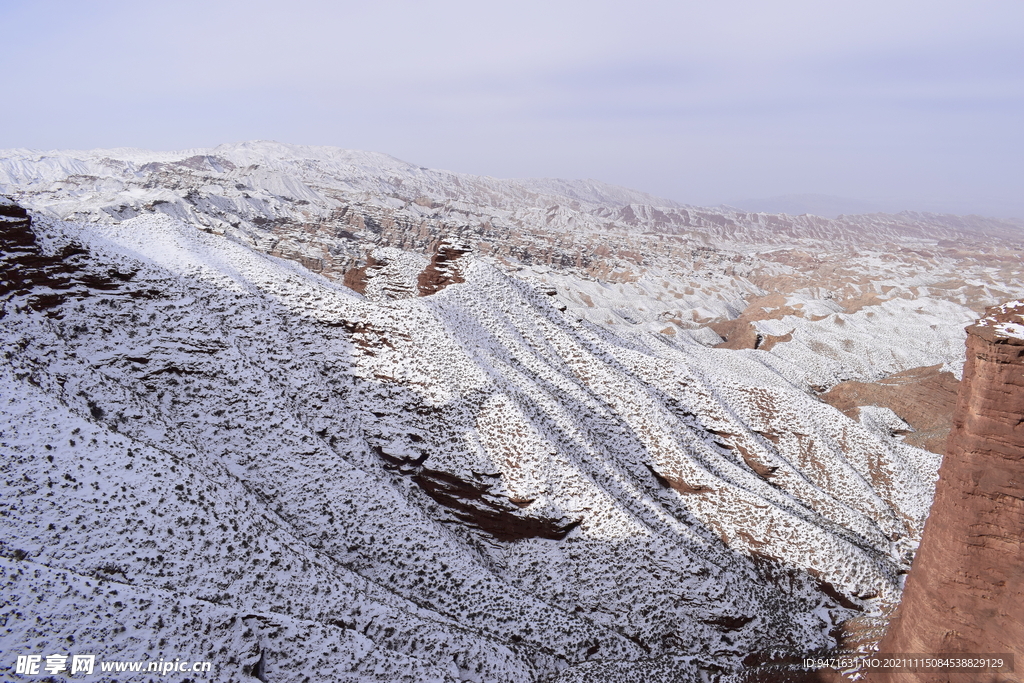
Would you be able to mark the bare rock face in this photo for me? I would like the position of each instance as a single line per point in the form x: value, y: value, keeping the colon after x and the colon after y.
x: 443, y: 269
x: 965, y: 593
x: 741, y: 333
x: 356, y: 278
x: 924, y: 398
x: 34, y: 279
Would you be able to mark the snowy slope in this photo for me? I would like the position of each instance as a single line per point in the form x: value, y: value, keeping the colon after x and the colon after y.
x: 466, y: 486
x: 441, y: 427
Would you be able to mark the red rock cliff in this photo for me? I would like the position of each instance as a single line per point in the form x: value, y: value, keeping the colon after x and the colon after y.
x: 965, y: 592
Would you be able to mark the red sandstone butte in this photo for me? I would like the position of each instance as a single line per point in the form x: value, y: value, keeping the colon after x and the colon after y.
x: 965, y: 591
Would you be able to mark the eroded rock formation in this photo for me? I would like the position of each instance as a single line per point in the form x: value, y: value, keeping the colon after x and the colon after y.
x: 42, y: 281
x: 923, y: 397
x: 443, y: 269
x: 965, y: 593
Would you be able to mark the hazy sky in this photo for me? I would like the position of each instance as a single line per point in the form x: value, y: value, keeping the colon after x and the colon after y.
x: 918, y: 105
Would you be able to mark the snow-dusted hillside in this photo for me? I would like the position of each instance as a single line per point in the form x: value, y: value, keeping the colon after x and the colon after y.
x: 423, y: 446
x: 616, y: 256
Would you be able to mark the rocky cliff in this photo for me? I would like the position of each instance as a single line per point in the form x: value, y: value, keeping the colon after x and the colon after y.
x: 965, y: 593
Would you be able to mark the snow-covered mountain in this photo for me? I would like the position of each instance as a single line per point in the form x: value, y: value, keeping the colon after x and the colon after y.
x: 314, y: 414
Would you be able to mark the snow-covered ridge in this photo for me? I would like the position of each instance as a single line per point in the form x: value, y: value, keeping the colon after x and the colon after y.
x: 315, y: 169
x: 242, y: 442
x: 352, y: 169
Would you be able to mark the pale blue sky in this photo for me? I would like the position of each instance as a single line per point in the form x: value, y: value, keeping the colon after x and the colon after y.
x: 917, y: 105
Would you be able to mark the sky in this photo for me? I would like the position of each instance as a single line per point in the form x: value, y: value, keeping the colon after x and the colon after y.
x: 901, y: 104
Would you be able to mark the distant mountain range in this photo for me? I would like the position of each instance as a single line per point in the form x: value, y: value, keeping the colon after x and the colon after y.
x: 823, y: 205
x: 829, y: 206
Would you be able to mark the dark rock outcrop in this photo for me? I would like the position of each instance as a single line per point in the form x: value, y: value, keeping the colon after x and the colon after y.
x: 473, y: 503
x: 443, y: 269
x: 965, y: 593
x: 43, y: 281
x: 475, y: 506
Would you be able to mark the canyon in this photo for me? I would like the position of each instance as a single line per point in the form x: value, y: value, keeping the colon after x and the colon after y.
x: 320, y: 414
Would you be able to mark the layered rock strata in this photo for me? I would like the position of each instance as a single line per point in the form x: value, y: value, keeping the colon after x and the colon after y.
x: 965, y: 593
x: 924, y: 398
